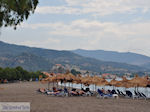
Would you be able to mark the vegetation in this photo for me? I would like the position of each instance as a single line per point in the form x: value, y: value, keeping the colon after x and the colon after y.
x: 74, y: 72
x: 18, y: 73
x: 13, y: 12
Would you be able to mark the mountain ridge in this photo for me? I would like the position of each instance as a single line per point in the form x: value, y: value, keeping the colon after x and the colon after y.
x: 32, y: 58
x: 114, y: 56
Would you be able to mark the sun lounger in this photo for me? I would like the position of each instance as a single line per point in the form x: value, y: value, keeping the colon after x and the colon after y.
x: 61, y: 93
x: 73, y: 92
x: 66, y: 92
x: 113, y: 92
x: 129, y: 94
x: 142, y: 95
x: 102, y: 95
x: 58, y: 93
x: 136, y: 94
x: 88, y: 92
x: 120, y: 93
x: 41, y: 90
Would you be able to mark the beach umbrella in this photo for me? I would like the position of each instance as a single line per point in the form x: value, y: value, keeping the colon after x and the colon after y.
x: 51, y: 79
x: 69, y: 77
x: 78, y: 80
x: 139, y: 81
x: 46, y: 80
x: 95, y: 80
x: 91, y: 81
x: 124, y: 83
x: 148, y: 83
x: 102, y: 82
x: 114, y: 83
x: 60, y: 78
x: 87, y: 80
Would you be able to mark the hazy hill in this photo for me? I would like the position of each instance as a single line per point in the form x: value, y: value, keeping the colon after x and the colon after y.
x: 127, y: 57
x: 43, y: 59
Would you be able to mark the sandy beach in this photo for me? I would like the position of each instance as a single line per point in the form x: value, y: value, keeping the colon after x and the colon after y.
x: 26, y: 92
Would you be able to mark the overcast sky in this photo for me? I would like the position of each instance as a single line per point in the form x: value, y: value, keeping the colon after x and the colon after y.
x: 115, y: 25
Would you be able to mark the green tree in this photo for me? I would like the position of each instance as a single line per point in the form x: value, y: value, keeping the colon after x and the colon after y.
x: 74, y: 72
x: 18, y: 73
x: 13, y: 12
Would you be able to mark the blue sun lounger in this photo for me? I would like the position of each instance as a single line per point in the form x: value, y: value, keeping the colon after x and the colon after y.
x: 102, y: 95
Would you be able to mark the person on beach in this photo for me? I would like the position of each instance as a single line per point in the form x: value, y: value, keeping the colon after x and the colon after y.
x: 55, y: 90
x: 108, y: 92
x: 81, y: 92
x: 103, y: 90
x: 74, y: 92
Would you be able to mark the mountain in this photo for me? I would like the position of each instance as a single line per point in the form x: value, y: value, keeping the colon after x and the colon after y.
x: 27, y: 61
x: 31, y: 58
x: 127, y: 57
x: 147, y: 65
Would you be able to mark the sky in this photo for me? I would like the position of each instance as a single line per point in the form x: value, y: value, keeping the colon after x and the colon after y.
x: 112, y: 25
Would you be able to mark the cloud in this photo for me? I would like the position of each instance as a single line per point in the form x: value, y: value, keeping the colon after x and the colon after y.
x: 97, y: 7
x: 57, y: 10
x: 87, y: 28
x: 95, y: 34
x: 41, y: 43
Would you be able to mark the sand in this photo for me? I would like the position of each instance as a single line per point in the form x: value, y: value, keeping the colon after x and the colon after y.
x: 26, y: 92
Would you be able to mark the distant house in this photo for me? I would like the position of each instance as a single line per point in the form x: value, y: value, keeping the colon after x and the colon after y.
x: 58, y: 68
x: 108, y: 75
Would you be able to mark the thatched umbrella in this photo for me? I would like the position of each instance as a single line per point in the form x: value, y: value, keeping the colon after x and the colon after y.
x: 124, y: 83
x: 139, y: 81
x: 114, y: 83
x: 78, y: 80
x: 148, y: 83
x: 49, y: 80
x: 86, y: 80
x: 95, y: 80
x: 102, y: 82
x: 69, y: 77
x: 60, y: 78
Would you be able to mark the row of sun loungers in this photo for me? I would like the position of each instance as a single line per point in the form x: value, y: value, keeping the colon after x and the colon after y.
x: 100, y: 94
x: 118, y: 93
x: 65, y: 92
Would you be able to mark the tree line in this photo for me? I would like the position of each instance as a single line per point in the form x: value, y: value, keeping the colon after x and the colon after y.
x: 18, y: 74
